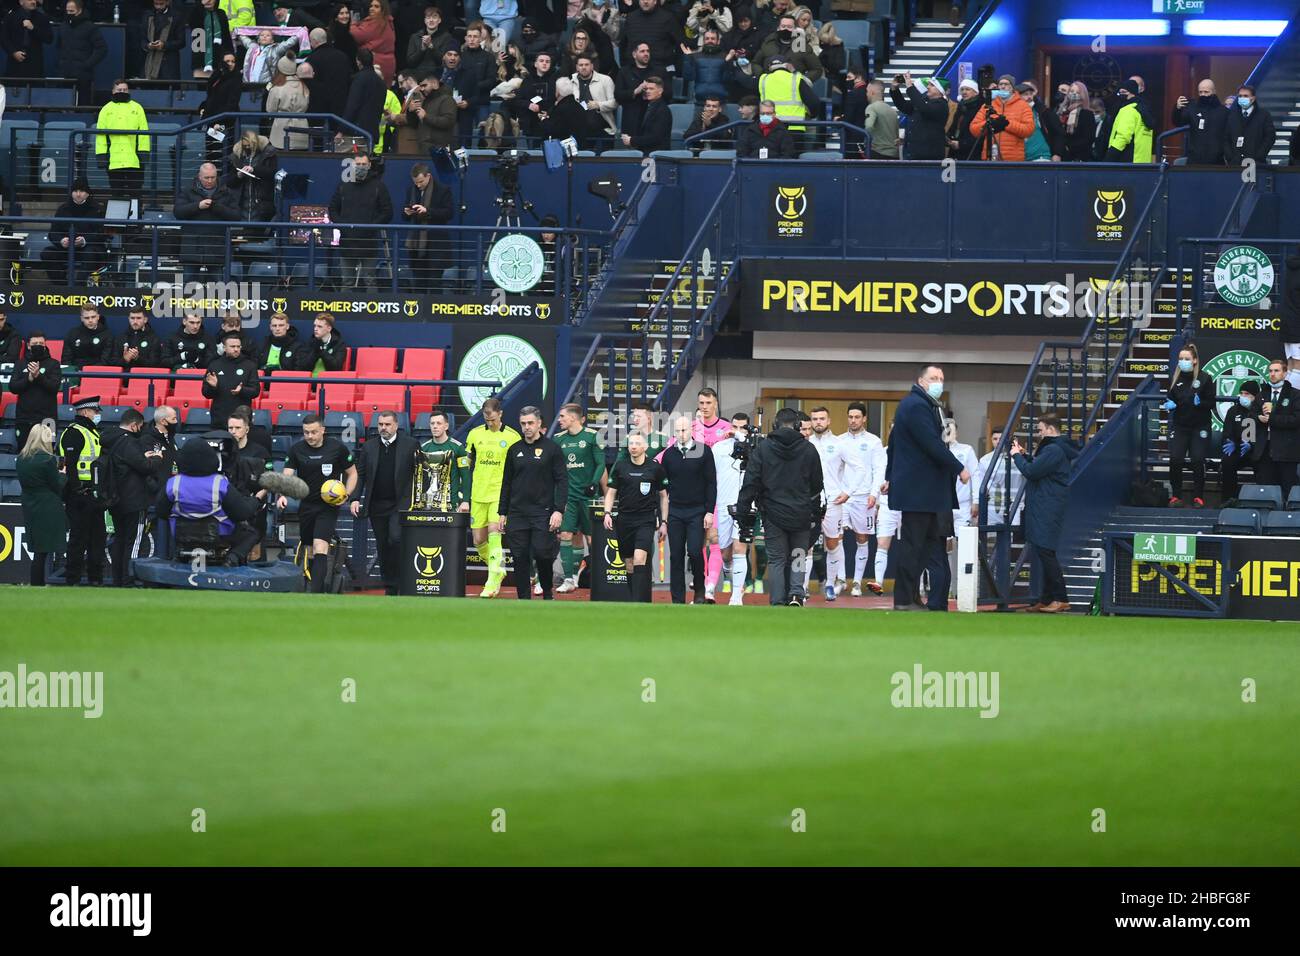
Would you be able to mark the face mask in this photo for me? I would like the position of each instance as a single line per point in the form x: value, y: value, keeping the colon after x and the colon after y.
x: 96, y: 417
x: 710, y: 49
x: 121, y: 97
x: 361, y: 172
x: 765, y: 120
x: 784, y: 35
x: 1184, y: 365
x: 1002, y: 94
x: 935, y: 389
x: 1207, y: 101
x: 1245, y: 102
x: 1246, y: 400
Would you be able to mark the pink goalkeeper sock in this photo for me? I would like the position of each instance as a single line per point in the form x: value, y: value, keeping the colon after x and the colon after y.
x: 713, y: 566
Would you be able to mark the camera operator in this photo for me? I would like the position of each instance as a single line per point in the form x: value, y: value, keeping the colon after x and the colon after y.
x: 784, y: 480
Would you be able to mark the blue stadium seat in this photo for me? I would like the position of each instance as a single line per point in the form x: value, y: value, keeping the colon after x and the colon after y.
x: 682, y: 114
x: 421, y: 430
x: 1238, y: 521
x: 188, y: 99
x: 280, y: 445
x: 1264, y: 497
x: 153, y: 99
x: 8, y: 464
x: 112, y: 414
x: 820, y: 154
x: 9, y: 441
x: 18, y: 95
x: 673, y: 154
x: 66, y: 413
x: 717, y: 154
x: 335, y: 422
x: 854, y: 33
x: 290, y: 422
x: 11, y: 489
x: 198, y: 420
x: 732, y: 110
x: 262, y: 418
x: 625, y: 153
x: 1293, y: 499
x: 53, y: 96
x: 1283, y: 523
x: 403, y: 424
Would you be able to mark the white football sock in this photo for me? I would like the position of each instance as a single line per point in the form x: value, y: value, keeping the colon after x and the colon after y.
x: 834, y: 564
x: 860, y: 560
x: 882, y: 559
x: 739, y: 568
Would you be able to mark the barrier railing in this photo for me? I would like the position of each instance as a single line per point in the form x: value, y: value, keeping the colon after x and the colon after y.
x: 843, y: 145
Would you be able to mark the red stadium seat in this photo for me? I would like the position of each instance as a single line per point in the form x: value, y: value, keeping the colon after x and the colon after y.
x: 107, y: 396
x: 375, y: 359
x: 7, y: 399
x: 56, y: 348
x: 379, y: 398
x: 140, y: 386
x: 340, y: 390
x: 428, y: 364
x: 190, y: 390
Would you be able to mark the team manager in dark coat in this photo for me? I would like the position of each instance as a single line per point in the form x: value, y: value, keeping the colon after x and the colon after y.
x: 1047, y: 492
x: 384, y: 512
x: 921, y: 486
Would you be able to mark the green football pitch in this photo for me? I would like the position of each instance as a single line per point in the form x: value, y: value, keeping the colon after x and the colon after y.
x: 503, y: 733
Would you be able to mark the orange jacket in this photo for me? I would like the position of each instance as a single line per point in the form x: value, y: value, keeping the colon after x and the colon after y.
x: 1020, y: 126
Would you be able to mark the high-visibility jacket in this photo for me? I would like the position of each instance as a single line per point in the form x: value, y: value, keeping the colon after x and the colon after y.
x: 1131, y: 136
x: 123, y: 150
x: 391, y: 105
x: 782, y: 88
x: 90, y: 450
x: 240, y: 13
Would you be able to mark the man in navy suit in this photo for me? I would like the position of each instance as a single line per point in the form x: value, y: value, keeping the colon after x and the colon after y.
x: 919, y: 481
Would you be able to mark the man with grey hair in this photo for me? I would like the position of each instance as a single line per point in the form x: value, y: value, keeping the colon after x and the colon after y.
x: 534, y: 489
x: 205, y: 199
x: 765, y: 138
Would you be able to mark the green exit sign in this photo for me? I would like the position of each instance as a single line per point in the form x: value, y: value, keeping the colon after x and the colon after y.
x: 1177, y: 6
x: 1164, y: 548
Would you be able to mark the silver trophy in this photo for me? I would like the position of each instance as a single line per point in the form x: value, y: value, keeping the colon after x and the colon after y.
x: 431, y: 489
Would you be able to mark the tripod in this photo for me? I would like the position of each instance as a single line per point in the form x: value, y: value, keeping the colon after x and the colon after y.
x: 508, y: 205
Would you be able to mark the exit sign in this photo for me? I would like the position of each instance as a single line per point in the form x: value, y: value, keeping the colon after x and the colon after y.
x: 1177, y: 6
x: 1164, y: 548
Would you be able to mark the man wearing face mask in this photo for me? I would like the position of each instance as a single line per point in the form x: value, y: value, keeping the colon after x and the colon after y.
x: 121, y: 153
x: 83, y: 49
x: 85, y: 239
x: 783, y: 44
x: 1249, y: 132
x: 765, y: 138
x: 23, y: 35
x: 36, y: 383
x: 1206, y: 121
x: 919, y: 481
x: 361, y: 199
x: 80, y: 448
x: 1131, y: 134
x: 1244, y: 444
x: 1009, y: 120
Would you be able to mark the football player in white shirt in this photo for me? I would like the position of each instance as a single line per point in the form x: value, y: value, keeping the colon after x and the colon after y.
x: 967, y: 511
x: 863, y: 486
x: 831, y: 449
x: 729, y: 475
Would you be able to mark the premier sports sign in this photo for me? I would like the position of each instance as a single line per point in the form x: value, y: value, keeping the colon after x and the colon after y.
x: 982, y: 298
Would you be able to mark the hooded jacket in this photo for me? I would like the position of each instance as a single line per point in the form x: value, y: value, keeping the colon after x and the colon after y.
x: 286, y: 354
x: 329, y: 357
x: 1047, y: 492
x: 784, y: 478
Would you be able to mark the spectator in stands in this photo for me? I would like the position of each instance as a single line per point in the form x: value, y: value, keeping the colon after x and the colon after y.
x: 189, y: 347
x: 84, y: 238
x: 603, y: 23
x: 375, y: 34
x: 392, y: 117
x: 568, y: 117
x: 428, y: 203
x: 1206, y: 121
x: 793, y: 95
x: 11, y: 340
x: 224, y: 88
x: 1281, y: 413
x: 332, y: 69
x: 288, y: 95
x: 803, y: 23
x: 132, y: 468
x: 536, y: 97
x: 42, y: 478
x: 91, y: 344
x: 425, y: 49
x: 648, y: 22
x: 253, y: 165
x: 1102, y: 124
x: 140, y: 346
x: 854, y: 111
x: 596, y: 91
x: 365, y: 101
x: 232, y: 323
x: 706, y: 67
x: 629, y: 86
x: 744, y: 38
x: 340, y: 34
x: 1077, y: 124
x: 231, y: 379
x: 502, y: 16
x: 83, y: 50
x: 1010, y: 121
x: 711, y: 117
x: 240, y: 13
x: 765, y: 138
x: 360, y: 198
x: 326, y: 351
x: 706, y: 15
x: 1131, y: 132
x: 1244, y: 443
x: 782, y: 44
x: 295, y: 17
x: 579, y: 45
x: 23, y: 35
x: 1047, y: 477
x: 36, y: 383
x: 532, y: 40
x: 881, y: 123
x: 162, y: 38
x: 1190, y: 400
x: 475, y: 78
x: 1250, y: 132
x: 263, y: 54
x: 961, y: 144
x: 280, y: 349
x: 510, y: 72
x: 437, y: 115
x: 121, y: 153
x: 1047, y: 125
x: 205, y: 199
x: 449, y: 76
x: 656, y: 129
x: 210, y: 28
x: 923, y: 101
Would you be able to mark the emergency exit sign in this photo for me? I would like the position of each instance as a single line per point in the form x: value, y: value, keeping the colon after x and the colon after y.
x: 1177, y: 6
x: 1164, y: 548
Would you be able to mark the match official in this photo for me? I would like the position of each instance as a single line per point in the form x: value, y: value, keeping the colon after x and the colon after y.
x: 318, y: 459
x: 385, y: 471
x: 534, y: 488
x: 784, y: 478
x: 639, y: 485
x: 692, y: 496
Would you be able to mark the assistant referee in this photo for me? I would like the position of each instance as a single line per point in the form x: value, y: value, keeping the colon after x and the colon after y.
x: 640, y: 486
x: 534, y: 487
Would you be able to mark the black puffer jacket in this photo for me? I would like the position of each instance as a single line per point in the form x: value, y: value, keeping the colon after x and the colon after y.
x: 287, y: 358
x: 149, y: 345
x: 926, y: 136
x: 83, y: 346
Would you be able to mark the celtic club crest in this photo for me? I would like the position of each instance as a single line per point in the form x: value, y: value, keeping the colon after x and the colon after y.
x: 516, y: 263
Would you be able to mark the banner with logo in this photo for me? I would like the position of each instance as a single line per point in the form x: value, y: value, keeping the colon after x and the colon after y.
x: 979, y: 298
x: 1243, y: 276
x: 791, y: 211
x: 15, y: 561
x: 1235, y: 345
x: 500, y: 353
x: 1110, y: 216
x: 254, y: 301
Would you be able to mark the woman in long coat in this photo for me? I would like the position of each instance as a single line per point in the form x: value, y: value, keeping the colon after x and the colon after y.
x: 43, y: 517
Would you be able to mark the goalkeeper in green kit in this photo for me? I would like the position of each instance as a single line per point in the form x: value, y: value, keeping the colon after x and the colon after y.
x: 584, y: 462
x: 441, y: 441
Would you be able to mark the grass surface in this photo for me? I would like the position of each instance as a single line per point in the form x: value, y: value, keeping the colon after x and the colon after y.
x: 233, y: 704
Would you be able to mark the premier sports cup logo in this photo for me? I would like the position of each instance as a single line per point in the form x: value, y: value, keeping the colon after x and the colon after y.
x: 1229, y: 370
x: 428, y: 562
x: 792, y: 218
x: 1109, y: 207
x: 1243, y: 275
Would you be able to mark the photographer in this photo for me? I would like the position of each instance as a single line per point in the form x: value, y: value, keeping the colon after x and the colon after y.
x: 1009, y: 120
x: 927, y: 106
x: 784, y: 480
x: 1206, y: 120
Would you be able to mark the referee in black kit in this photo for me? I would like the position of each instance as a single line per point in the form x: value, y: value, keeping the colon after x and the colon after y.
x: 534, y: 490
x: 640, y: 486
x: 317, y: 459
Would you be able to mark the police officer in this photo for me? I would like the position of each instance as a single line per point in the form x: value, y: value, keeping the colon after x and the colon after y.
x: 640, y: 486
x: 80, y: 448
x: 534, y: 488
x: 318, y: 459
x: 784, y: 478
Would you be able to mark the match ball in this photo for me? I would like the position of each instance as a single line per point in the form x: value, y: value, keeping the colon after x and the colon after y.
x: 333, y: 492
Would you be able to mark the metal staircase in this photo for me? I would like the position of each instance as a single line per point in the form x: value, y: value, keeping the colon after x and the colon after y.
x: 925, y: 48
x: 1276, y: 79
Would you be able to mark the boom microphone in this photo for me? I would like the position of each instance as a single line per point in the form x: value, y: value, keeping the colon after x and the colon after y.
x: 291, y: 486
